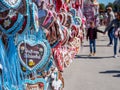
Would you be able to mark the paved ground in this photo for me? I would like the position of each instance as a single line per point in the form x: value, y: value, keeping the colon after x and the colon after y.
x: 101, y: 72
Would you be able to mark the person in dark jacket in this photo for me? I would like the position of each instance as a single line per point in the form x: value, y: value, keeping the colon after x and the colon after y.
x: 115, y: 24
x: 92, y: 36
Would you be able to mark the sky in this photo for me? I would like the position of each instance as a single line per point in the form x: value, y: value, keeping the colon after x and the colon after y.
x: 105, y: 1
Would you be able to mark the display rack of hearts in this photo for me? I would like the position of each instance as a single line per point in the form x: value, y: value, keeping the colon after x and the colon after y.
x: 39, y: 39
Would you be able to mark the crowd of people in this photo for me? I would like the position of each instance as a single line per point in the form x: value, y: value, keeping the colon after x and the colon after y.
x: 112, y: 23
x: 113, y: 30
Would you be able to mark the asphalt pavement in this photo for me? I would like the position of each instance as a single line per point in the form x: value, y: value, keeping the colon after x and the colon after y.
x: 99, y: 72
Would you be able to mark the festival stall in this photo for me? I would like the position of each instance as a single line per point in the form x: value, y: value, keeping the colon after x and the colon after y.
x: 38, y: 40
x: 91, y: 11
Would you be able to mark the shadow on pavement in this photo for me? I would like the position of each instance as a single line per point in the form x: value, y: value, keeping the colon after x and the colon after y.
x: 101, y: 40
x: 118, y: 75
x: 92, y: 57
x: 111, y: 72
x: 97, y: 46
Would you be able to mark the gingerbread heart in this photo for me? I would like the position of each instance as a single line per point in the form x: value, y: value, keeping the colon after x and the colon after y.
x: 12, y: 24
x: 37, y: 84
x: 33, y: 55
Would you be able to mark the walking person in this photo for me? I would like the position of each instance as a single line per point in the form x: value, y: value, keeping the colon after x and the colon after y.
x: 109, y: 20
x: 115, y: 24
x: 92, y: 36
x: 105, y: 18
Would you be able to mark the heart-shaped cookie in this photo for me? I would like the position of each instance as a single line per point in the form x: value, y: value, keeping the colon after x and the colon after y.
x: 12, y: 24
x: 37, y: 84
x: 33, y: 55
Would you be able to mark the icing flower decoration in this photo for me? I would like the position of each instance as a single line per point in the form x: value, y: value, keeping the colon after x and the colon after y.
x: 31, y: 63
x: 7, y: 23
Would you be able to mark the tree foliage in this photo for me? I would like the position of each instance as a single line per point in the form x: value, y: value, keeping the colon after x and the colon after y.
x: 115, y: 7
x: 102, y: 7
x: 110, y: 5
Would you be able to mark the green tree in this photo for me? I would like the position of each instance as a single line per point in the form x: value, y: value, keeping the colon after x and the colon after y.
x: 102, y: 7
x: 110, y: 5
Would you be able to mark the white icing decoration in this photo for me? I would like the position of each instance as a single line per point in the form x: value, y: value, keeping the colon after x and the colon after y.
x: 31, y: 51
x: 22, y: 48
x: 41, y: 49
x: 56, y: 84
x: 1, y: 66
x: 12, y: 2
x: 7, y: 23
x: 31, y: 56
